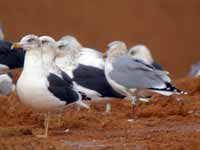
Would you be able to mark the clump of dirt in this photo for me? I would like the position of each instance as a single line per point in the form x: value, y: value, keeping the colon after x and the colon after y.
x: 191, y: 85
x: 162, y: 106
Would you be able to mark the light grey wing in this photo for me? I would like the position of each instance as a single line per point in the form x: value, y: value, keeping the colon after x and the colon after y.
x: 136, y: 74
x: 3, y: 68
x: 195, y: 70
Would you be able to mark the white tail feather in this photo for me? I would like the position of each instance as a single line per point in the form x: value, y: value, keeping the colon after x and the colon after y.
x: 82, y: 104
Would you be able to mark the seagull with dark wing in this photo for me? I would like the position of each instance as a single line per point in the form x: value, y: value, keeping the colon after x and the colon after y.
x: 88, y: 56
x: 10, y: 58
x: 40, y: 88
x: 90, y: 80
x: 49, y: 53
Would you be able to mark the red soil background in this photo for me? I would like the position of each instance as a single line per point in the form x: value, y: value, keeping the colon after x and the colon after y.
x: 169, y: 28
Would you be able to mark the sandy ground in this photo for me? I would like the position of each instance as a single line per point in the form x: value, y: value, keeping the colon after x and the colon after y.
x: 163, y: 123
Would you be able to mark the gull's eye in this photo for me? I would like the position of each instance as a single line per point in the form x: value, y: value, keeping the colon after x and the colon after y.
x: 133, y: 53
x: 61, y: 46
x: 31, y: 40
x: 45, y: 41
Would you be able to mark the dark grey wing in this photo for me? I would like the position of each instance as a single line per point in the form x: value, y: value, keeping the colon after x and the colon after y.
x: 157, y: 66
x: 13, y: 58
x: 148, y: 66
x: 62, y: 89
x: 135, y: 74
x: 5, y: 45
x: 195, y: 70
x: 94, y: 79
x: 66, y: 78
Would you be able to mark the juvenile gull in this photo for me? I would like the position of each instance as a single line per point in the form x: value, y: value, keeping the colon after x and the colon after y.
x: 91, y: 80
x: 127, y: 75
x: 39, y: 88
x: 195, y: 70
x: 88, y: 56
x: 141, y: 52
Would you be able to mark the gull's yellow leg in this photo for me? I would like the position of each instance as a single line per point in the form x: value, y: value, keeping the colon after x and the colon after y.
x: 46, y: 126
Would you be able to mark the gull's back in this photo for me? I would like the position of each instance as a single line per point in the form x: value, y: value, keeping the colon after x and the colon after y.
x: 136, y: 74
x: 91, y: 57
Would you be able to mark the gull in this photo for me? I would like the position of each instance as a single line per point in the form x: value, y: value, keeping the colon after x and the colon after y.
x: 90, y: 80
x: 49, y: 53
x: 10, y: 58
x: 6, y: 84
x: 38, y: 87
x: 1, y: 32
x: 127, y: 75
x: 141, y: 52
x: 88, y: 56
x: 195, y: 70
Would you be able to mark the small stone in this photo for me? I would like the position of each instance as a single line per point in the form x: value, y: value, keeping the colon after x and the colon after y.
x: 190, y: 112
x: 130, y: 120
x: 108, y: 108
x: 66, y: 131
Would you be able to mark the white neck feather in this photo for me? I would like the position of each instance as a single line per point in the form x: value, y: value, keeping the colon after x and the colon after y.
x: 33, y: 63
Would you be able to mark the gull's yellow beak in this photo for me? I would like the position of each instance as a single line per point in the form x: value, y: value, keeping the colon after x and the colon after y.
x: 105, y: 55
x: 16, y: 45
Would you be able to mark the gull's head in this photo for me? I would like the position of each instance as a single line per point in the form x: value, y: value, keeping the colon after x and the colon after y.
x: 72, y: 40
x: 65, y: 48
x: 48, y: 49
x: 48, y: 43
x: 28, y: 42
x: 116, y: 48
x: 141, y: 52
x: 63, y: 45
